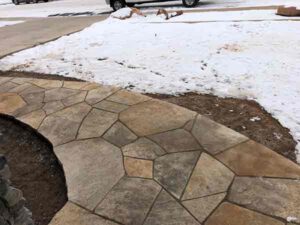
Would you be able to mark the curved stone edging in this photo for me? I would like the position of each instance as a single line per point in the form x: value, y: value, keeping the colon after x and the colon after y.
x: 129, y: 159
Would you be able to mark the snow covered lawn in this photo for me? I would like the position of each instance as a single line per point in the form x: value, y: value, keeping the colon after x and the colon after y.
x: 250, y: 60
x: 8, y: 23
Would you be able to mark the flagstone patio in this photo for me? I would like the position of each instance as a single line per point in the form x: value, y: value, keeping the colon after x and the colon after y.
x: 132, y: 160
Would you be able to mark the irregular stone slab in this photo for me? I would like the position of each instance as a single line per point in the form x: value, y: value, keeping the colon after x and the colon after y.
x: 62, y: 126
x: 275, y: 197
x: 91, y: 86
x: 172, y: 171
x: 111, y: 106
x: 94, y: 168
x: 214, y: 137
x: 47, y: 84
x: 20, y: 88
x: 127, y: 98
x: 176, y: 141
x: 201, y: 208
x: 138, y: 167
x: 5, y: 79
x: 96, y: 95
x: 7, y: 86
x: 10, y: 102
x: 143, y: 148
x: 57, y: 94
x: 71, y: 214
x: 33, y: 95
x: 77, y: 85
x: 96, y: 123
x: 78, y: 98
x: 52, y: 107
x: 155, y: 116
x: 33, y: 119
x: 231, y: 214
x: 129, y: 201
x: 253, y: 159
x: 209, y: 177
x: 21, y: 80
x: 189, y: 125
x: 28, y: 109
x: 167, y: 211
x: 119, y: 135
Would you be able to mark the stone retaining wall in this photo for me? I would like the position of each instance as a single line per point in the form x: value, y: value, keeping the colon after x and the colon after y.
x: 12, y: 209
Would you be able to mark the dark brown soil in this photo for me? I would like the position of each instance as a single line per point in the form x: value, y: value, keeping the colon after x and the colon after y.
x: 236, y: 114
x: 35, y: 75
x: 35, y: 169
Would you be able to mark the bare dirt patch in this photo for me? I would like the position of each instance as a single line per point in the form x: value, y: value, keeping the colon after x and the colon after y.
x: 243, y: 116
x: 35, y: 169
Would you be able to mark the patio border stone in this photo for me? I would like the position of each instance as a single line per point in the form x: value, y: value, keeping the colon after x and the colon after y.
x: 129, y: 159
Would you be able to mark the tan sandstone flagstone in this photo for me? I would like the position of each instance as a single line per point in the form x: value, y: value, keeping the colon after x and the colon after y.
x: 167, y: 211
x: 155, y: 116
x: 143, y: 148
x: 111, y: 106
x: 173, y: 171
x: 119, y: 135
x: 94, y: 168
x: 274, y: 197
x: 34, y: 118
x: 209, y: 177
x: 51, y: 107
x: 59, y: 94
x: 6, y: 87
x: 10, y: 102
x: 176, y: 141
x: 47, y: 84
x: 72, y: 214
x: 201, y: 208
x: 5, y: 79
x: 127, y: 97
x: 138, y: 167
x: 21, y: 80
x: 75, y: 84
x: 62, y: 126
x: 97, y: 95
x: 33, y: 95
x: 80, y: 97
x: 215, y: 137
x: 189, y: 125
x: 96, y: 123
x: 28, y: 109
x: 20, y: 88
x: 91, y: 86
x: 231, y: 214
x: 253, y: 159
x: 129, y: 201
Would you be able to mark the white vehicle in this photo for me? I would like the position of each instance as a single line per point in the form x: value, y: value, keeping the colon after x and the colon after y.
x: 118, y: 4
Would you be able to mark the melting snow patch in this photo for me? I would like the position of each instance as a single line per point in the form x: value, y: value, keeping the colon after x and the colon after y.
x: 254, y: 119
x: 291, y: 219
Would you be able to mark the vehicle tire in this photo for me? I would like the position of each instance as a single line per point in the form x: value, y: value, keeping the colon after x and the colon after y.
x: 45, y: 0
x: 35, y: 1
x: 130, y: 4
x: 16, y: 2
x: 27, y: 1
x: 190, y: 3
x: 117, y: 4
